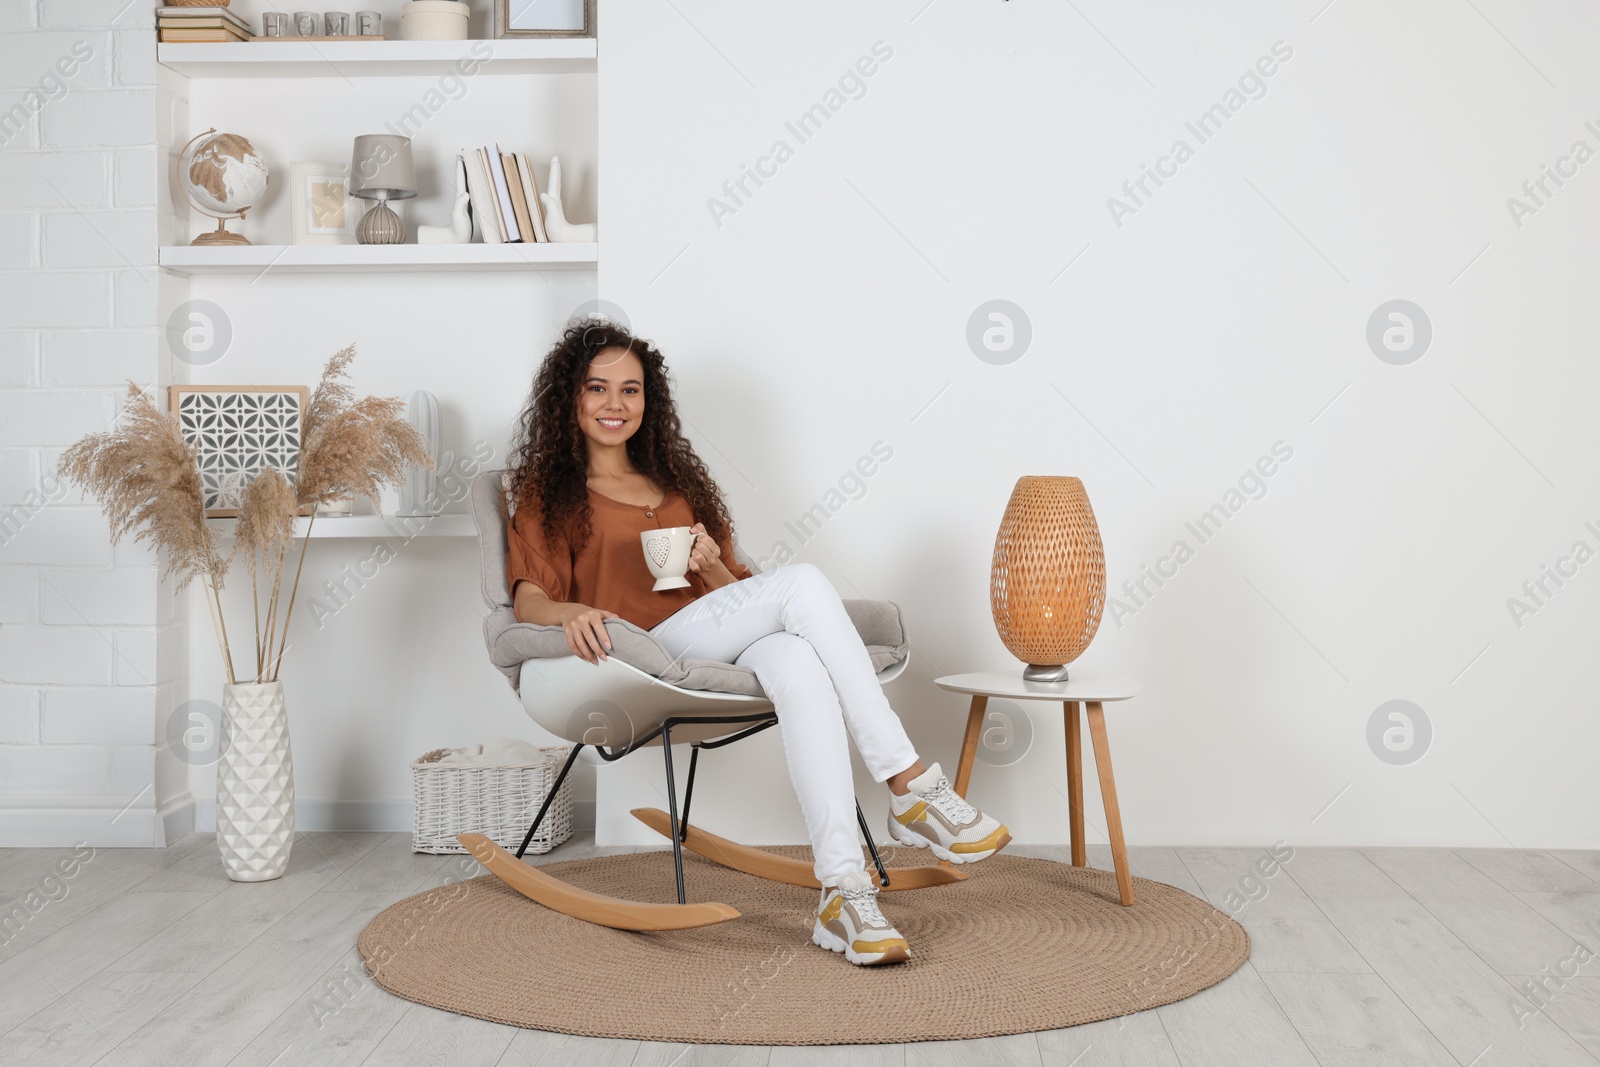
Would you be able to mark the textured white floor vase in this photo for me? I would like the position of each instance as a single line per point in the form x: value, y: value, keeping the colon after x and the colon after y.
x: 255, y: 783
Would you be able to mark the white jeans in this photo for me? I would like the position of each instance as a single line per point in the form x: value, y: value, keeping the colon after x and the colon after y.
x: 789, y: 626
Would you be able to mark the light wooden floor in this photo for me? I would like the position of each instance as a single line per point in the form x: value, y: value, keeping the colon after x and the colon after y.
x: 1360, y: 957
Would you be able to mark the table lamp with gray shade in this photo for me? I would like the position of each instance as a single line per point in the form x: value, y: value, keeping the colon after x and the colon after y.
x: 381, y: 170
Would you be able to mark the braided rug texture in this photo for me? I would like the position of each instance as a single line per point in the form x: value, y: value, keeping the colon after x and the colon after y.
x: 1023, y: 944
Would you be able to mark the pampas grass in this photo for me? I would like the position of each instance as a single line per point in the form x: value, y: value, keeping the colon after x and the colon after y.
x: 265, y: 530
x: 146, y: 476
x: 347, y: 447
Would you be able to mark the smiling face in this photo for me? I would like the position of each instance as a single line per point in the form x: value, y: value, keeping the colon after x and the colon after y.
x: 611, y: 403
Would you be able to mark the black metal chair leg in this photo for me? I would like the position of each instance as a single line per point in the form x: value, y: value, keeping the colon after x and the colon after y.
x: 672, y: 810
x: 883, y: 875
x: 572, y: 758
x: 688, y: 793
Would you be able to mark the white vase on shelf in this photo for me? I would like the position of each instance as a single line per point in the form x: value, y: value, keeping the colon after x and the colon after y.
x: 418, y: 493
x: 255, y: 782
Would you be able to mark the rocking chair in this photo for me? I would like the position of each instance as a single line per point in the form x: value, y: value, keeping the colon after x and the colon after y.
x: 641, y: 696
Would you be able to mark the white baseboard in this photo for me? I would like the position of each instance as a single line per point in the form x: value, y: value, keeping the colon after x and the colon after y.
x: 583, y: 815
x: 68, y: 819
x: 361, y: 816
x: 110, y: 822
x: 345, y: 816
x: 177, y: 818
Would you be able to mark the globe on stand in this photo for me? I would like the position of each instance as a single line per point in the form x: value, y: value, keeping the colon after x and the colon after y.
x: 223, y: 176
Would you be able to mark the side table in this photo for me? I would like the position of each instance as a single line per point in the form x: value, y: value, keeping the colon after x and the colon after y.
x: 1089, y: 688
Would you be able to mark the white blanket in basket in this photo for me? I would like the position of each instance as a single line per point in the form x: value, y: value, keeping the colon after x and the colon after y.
x: 502, y: 751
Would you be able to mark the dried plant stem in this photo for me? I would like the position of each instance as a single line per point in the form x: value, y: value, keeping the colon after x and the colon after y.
x: 272, y: 610
x: 222, y: 625
x: 282, y: 645
x: 219, y: 626
x: 214, y: 605
x: 210, y: 606
x: 255, y: 609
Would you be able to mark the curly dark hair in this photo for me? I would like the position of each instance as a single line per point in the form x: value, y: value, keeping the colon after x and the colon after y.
x: 550, y: 452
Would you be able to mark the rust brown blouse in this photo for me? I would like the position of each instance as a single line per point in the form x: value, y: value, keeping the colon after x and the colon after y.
x: 610, y: 573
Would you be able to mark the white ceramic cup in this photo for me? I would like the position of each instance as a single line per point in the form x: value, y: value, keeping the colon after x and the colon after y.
x: 666, y: 553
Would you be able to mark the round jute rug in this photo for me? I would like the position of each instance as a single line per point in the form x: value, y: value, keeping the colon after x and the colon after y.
x: 1021, y: 945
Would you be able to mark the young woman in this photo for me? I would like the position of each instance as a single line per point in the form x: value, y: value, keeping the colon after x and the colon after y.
x: 598, y: 458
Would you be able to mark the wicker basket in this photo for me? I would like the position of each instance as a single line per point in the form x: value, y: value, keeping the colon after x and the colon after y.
x: 496, y: 801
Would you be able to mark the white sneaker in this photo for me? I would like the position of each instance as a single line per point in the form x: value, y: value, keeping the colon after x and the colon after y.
x: 933, y: 816
x: 848, y: 921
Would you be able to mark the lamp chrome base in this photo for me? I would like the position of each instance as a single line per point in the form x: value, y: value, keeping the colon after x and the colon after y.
x: 1045, y: 672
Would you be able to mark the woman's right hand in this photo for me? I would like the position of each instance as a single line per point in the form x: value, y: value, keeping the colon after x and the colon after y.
x: 586, y: 631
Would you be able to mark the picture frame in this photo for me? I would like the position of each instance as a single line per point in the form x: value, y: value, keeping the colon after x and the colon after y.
x: 238, y: 430
x: 544, y: 18
x: 324, y: 211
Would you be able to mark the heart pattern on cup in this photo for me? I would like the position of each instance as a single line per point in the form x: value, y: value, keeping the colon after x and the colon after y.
x: 658, y: 548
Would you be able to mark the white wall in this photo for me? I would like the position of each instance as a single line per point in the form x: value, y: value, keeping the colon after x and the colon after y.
x: 830, y: 311
x: 1225, y: 314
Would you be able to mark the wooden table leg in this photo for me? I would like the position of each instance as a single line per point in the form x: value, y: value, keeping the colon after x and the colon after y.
x: 969, y: 748
x: 969, y: 743
x: 1080, y: 856
x: 1108, y: 795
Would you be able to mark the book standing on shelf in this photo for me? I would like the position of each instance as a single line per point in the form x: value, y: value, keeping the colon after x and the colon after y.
x: 530, y: 189
x: 502, y: 188
x: 504, y: 196
x: 519, y: 196
x: 492, y: 197
x: 478, y: 197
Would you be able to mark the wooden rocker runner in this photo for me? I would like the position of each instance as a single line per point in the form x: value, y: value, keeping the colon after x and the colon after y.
x: 637, y: 697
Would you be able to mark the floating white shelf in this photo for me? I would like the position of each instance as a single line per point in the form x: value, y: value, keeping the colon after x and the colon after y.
x: 357, y: 59
x: 372, y: 526
x: 329, y: 259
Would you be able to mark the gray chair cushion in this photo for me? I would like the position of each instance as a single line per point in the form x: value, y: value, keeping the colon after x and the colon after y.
x: 511, y: 642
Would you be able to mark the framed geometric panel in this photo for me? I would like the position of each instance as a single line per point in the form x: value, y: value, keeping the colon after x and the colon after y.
x: 239, y: 430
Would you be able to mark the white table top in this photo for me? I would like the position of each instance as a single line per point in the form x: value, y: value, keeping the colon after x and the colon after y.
x: 1081, y: 685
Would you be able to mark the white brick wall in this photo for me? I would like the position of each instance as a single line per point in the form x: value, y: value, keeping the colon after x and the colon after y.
x: 96, y: 357
x: 16, y: 475
x: 124, y: 715
x: 19, y: 240
x: 89, y: 652
x: 17, y: 371
x: 19, y: 715
x: 116, y: 596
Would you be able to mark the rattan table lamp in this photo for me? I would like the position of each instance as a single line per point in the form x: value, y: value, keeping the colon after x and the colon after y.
x: 1047, y: 584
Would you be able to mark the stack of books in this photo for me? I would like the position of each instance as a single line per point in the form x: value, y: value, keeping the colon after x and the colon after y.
x: 201, y: 24
x: 503, y: 195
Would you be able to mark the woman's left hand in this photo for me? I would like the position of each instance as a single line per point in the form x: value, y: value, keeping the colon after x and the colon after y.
x: 706, y: 555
